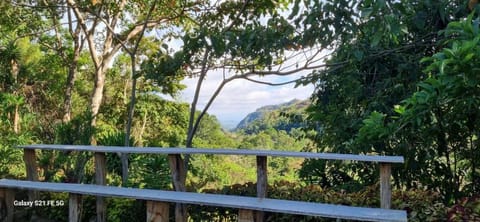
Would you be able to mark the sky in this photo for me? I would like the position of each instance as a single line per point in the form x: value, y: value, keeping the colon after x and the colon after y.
x: 241, y: 97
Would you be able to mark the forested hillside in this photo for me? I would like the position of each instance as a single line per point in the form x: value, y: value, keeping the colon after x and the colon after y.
x: 275, y: 127
x: 390, y: 77
x: 285, y: 116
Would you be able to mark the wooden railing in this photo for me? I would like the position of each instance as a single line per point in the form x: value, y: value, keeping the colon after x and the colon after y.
x: 261, y: 160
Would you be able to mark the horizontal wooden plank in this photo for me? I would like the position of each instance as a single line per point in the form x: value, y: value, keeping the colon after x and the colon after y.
x: 273, y: 153
x: 229, y: 201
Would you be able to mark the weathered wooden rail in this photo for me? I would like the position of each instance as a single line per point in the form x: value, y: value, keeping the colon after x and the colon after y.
x: 157, y: 199
x: 245, y: 211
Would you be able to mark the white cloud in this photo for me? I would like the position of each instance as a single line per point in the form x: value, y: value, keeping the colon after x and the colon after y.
x: 240, y: 97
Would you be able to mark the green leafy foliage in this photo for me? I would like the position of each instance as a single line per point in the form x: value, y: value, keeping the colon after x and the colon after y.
x: 420, y: 205
x: 375, y: 95
x: 457, y: 85
x: 355, y: 107
x: 437, y: 125
x: 211, y: 135
x: 76, y: 132
x: 166, y: 71
x: 285, y: 116
x: 73, y: 166
x: 159, y: 122
x: 381, y: 72
x: 11, y: 161
x: 238, y: 35
x: 467, y: 209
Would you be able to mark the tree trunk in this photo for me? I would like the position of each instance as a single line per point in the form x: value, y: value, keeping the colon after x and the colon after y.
x: 16, y: 116
x: 124, y: 160
x: 72, y: 69
x: 474, y: 166
x: 16, y: 120
x: 97, y: 94
x: 131, y: 109
x: 67, y: 103
x: 142, y: 129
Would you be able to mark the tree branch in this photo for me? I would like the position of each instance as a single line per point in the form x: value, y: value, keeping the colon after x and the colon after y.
x: 88, y: 33
x: 273, y: 84
x: 191, y: 129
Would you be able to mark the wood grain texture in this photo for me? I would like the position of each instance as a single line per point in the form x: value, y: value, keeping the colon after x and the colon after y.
x: 228, y: 201
x: 179, y: 176
x: 74, y: 208
x: 262, y: 182
x: 100, y: 179
x: 245, y: 215
x: 273, y: 153
x: 385, y: 186
x: 157, y: 211
x: 7, y: 197
x: 31, y: 167
x: 3, y: 204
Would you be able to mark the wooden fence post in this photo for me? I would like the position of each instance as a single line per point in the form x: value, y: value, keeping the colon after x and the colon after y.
x: 245, y: 215
x: 157, y: 211
x: 179, y: 175
x: 7, y: 197
x: 262, y: 183
x: 31, y: 166
x: 385, y: 186
x: 100, y: 179
x: 75, y: 207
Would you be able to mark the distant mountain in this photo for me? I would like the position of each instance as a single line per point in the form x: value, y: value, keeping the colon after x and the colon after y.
x: 273, y: 116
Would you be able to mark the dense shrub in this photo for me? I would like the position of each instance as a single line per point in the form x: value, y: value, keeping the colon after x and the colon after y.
x: 467, y: 209
x: 421, y: 205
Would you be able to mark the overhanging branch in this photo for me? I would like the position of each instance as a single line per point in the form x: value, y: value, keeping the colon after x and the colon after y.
x: 273, y: 84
